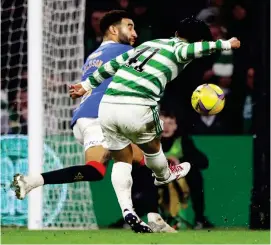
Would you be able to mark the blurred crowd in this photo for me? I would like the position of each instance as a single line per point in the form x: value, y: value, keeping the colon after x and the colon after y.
x: 232, y: 71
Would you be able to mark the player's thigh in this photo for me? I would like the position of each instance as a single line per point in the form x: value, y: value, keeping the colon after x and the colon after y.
x: 123, y: 155
x: 93, y: 140
x: 114, y: 139
x: 148, y: 138
x: 137, y: 153
x: 97, y: 154
x: 128, y: 154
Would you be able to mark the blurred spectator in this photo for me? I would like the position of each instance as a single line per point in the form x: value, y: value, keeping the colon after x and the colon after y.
x: 124, y: 5
x: 180, y: 148
x: 223, y: 64
x: 212, y: 125
x: 238, y: 23
x: 248, y: 105
x: 211, y: 14
x: 142, y: 21
x: 93, y: 34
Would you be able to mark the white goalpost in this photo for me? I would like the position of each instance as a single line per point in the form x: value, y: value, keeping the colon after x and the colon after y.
x: 35, y: 108
x: 55, y: 53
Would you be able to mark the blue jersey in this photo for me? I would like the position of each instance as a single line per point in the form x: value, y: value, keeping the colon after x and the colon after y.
x: 89, y: 105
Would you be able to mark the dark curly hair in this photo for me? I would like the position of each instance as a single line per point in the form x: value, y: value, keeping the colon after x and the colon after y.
x: 193, y: 30
x: 113, y: 17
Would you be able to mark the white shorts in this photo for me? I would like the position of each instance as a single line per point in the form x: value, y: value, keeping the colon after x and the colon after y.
x: 88, y: 132
x: 123, y: 124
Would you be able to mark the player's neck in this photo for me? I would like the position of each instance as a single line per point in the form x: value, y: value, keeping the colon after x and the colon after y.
x: 183, y: 39
x: 110, y: 38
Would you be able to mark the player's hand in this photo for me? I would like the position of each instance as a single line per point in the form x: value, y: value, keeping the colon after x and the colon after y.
x: 76, y: 86
x: 73, y: 88
x: 76, y: 91
x: 235, y: 43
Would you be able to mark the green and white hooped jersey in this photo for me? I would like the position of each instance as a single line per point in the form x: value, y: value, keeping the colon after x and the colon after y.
x: 141, y: 74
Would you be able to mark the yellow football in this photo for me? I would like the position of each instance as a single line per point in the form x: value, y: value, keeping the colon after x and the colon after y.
x: 208, y: 99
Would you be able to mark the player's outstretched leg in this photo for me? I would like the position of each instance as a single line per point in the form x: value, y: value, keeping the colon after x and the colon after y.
x: 164, y: 172
x: 24, y: 184
x: 96, y: 158
x: 92, y: 171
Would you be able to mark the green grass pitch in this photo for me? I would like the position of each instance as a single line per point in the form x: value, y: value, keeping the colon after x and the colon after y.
x: 22, y: 236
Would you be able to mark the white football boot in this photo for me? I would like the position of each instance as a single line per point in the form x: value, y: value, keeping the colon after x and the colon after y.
x: 158, y: 225
x: 22, y: 185
x: 177, y: 171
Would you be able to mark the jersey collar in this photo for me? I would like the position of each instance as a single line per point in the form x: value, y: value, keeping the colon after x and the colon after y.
x: 107, y: 42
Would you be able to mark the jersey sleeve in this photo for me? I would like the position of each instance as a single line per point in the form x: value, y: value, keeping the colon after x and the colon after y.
x: 186, y: 52
x: 106, y: 71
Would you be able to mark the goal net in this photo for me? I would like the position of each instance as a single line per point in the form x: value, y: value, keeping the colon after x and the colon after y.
x: 69, y: 205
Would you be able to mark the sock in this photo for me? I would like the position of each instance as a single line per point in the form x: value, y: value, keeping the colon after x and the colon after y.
x: 158, y: 164
x: 92, y: 171
x: 34, y: 180
x: 122, y: 182
x: 142, y: 161
x: 98, y: 166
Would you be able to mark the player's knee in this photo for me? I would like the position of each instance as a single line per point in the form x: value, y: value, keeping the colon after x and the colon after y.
x: 151, y: 147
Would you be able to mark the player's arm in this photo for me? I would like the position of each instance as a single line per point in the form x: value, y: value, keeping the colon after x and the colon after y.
x: 105, y: 71
x: 186, y: 52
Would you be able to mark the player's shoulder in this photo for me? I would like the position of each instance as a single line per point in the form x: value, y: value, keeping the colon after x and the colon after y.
x: 110, y: 50
x: 96, y: 53
x: 122, y: 45
x: 115, y: 49
x: 117, y: 46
